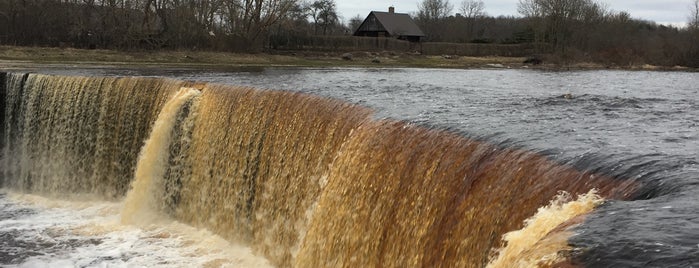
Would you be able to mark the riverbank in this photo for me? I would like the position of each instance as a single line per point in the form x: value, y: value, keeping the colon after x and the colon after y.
x: 204, y: 59
x: 14, y: 56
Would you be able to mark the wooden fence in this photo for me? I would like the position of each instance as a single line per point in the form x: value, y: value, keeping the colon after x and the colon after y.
x: 480, y: 50
x: 340, y: 43
x: 356, y: 43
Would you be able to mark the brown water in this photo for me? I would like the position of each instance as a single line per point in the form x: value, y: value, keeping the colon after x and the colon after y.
x: 76, y: 134
x: 303, y: 180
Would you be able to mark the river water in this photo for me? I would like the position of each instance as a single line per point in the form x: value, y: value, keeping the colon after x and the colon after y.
x: 628, y: 124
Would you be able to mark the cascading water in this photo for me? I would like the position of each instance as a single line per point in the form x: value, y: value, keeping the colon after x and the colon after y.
x: 143, y: 202
x: 305, y: 181
x: 78, y: 135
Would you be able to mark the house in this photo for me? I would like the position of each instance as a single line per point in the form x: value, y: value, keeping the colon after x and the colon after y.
x: 390, y: 24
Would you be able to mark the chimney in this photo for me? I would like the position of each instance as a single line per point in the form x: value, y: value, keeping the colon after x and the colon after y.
x: 391, y: 10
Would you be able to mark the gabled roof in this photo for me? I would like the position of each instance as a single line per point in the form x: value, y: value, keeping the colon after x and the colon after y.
x: 396, y: 24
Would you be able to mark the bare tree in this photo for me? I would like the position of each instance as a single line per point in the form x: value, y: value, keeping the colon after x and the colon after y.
x: 324, y: 15
x: 472, y: 9
x: 355, y: 22
x: 430, y: 10
x: 431, y: 17
x: 204, y: 12
x: 694, y: 15
x: 530, y: 8
x: 554, y: 19
x: 691, y: 55
x: 252, y: 18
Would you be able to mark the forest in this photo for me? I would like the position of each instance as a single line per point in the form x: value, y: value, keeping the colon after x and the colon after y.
x: 573, y: 30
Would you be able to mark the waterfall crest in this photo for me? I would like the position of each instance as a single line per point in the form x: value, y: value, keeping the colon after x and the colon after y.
x: 304, y: 180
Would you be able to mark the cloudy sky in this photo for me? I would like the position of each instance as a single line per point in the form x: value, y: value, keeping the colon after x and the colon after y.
x: 661, y: 11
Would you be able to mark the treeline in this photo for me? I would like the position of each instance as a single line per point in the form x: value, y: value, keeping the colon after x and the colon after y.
x: 614, y: 39
x: 574, y: 30
x: 233, y: 25
x: 577, y: 30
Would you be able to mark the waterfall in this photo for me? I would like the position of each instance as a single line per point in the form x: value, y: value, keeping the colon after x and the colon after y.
x: 78, y: 135
x: 305, y: 181
x: 142, y: 201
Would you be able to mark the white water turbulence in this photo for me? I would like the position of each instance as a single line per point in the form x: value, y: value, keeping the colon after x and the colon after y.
x: 542, y: 242
x: 47, y: 232
x: 143, y: 204
x: 38, y: 231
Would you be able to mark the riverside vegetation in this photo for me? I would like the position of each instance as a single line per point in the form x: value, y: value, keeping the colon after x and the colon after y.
x: 565, y: 32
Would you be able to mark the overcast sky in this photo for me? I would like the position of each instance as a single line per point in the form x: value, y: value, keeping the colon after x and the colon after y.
x: 661, y: 11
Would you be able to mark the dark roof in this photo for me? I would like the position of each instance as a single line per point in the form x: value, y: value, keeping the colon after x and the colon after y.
x: 398, y: 24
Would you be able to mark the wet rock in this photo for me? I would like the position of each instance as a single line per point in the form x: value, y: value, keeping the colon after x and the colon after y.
x: 347, y: 56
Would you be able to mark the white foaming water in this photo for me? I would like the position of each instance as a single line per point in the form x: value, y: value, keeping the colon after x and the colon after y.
x: 58, y: 233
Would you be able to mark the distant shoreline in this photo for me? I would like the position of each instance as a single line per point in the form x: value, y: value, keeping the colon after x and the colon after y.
x: 18, y: 57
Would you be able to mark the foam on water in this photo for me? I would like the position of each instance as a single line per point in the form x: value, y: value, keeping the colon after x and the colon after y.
x: 89, y: 234
x: 542, y: 242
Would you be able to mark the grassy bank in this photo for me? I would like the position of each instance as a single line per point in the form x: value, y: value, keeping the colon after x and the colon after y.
x: 11, y: 55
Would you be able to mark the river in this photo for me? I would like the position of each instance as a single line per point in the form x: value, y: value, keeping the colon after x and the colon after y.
x: 628, y: 125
